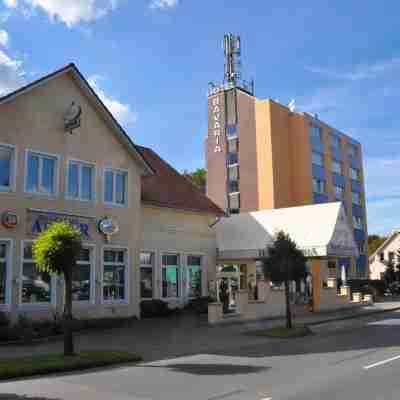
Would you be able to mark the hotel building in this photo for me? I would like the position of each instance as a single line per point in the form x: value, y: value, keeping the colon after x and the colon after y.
x: 262, y: 155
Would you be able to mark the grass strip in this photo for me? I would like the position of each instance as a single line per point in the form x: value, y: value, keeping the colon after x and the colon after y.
x: 283, y: 332
x: 51, y: 363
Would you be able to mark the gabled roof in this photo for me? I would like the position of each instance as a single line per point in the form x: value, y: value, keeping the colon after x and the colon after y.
x: 319, y: 230
x: 84, y: 85
x: 385, y: 244
x: 168, y: 188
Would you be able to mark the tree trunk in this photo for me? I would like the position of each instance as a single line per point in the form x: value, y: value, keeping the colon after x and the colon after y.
x: 288, y: 310
x: 68, y: 339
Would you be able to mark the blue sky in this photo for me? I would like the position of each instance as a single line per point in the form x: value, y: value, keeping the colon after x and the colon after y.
x: 151, y: 60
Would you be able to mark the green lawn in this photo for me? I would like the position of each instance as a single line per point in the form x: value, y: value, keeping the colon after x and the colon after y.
x: 20, y: 367
x: 283, y: 332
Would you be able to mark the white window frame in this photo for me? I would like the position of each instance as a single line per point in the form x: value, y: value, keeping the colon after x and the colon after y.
x: 324, y: 186
x: 313, y: 128
x: 202, y: 257
x: 358, y: 222
x: 80, y: 163
x: 357, y: 171
x: 53, y: 283
x: 127, y: 273
x: 356, y: 194
x: 314, y: 155
x: 337, y: 163
x: 9, y: 271
x: 42, y: 155
x: 339, y: 193
x: 13, y: 167
x: 116, y: 171
x: 153, y: 268
x: 180, y: 280
x: 92, y: 299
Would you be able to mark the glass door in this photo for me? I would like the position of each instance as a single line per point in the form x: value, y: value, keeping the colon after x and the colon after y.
x: 170, y: 279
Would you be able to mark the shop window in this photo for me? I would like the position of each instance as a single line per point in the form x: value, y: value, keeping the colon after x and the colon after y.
x: 36, y: 285
x: 82, y: 277
x: 115, y: 187
x: 114, y: 275
x: 41, y: 174
x: 170, y: 276
x: 194, y: 276
x: 7, y: 166
x: 146, y: 275
x: 4, y: 260
x: 81, y: 177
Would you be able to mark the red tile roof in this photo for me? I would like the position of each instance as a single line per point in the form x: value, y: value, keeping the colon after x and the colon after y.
x: 168, y: 188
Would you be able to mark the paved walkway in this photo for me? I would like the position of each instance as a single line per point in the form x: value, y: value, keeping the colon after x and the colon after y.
x: 177, y: 336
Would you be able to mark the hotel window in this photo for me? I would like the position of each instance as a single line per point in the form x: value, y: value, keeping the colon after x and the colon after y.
x: 319, y: 186
x: 233, y: 186
x: 36, y: 285
x: 354, y: 174
x: 317, y: 159
x: 316, y: 132
x: 146, y: 275
x: 7, y: 166
x: 194, y: 276
x: 361, y: 247
x: 352, y: 150
x: 115, y: 187
x: 41, y: 173
x: 356, y: 198
x: 339, y: 192
x: 170, y: 275
x: 114, y: 275
x: 4, y: 260
x: 335, y: 141
x: 81, y: 276
x: 234, y: 203
x: 337, y: 167
x: 233, y: 173
x: 358, y: 222
x: 232, y: 152
x: 81, y: 177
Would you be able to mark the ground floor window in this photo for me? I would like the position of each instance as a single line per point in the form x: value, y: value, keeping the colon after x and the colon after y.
x: 36, y: 285
x: 194, y: 276
x: 114, y: 274
x: 146, y: 274
x: 81, y: 276
x: 170, y: 275
x: 4, y: 260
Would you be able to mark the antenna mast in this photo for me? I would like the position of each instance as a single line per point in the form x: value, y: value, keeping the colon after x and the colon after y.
x: 232, y: 51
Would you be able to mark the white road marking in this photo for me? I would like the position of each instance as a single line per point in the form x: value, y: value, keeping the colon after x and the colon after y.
x: 381, y: 362
x: 267, y: 398
x: 386, y: 322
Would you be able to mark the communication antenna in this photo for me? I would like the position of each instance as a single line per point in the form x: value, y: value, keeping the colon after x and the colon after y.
x: 292, y: 105
x: 232, y: 51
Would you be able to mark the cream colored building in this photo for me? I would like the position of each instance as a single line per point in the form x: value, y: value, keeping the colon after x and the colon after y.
x: 388, y: 252
x: 64, y: 157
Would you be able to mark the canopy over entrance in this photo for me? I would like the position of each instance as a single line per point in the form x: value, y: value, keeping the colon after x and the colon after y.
x: 320, y: 230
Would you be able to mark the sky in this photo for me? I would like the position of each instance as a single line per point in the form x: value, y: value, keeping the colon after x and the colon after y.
x: 151, y: 60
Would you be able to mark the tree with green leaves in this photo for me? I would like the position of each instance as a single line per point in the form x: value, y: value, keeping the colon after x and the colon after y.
x: 374, y: 242
x: 198, y: 178
x: 285, y: 263
x: 56, y: 251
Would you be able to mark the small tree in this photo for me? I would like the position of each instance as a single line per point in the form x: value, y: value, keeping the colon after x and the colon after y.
x: 285, y: 263
x: 56, y: 251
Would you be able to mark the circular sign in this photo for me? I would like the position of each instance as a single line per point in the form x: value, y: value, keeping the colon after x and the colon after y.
x: 108, y: 227
x: 9, y: 219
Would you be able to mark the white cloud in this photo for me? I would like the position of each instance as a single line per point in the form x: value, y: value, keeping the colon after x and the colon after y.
x: 163, y: 4
x: 11, y: 73
x: 4, y: 38
x: 71, y: 12
x: 122, y: 112
x: 360, y: 72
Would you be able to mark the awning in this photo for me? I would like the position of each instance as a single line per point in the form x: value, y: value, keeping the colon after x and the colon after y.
x: 320, y: 230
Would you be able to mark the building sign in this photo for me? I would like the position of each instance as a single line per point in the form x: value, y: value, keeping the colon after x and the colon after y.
x: 9, y: 219
x: 38, y: 221
x: 216, y: 123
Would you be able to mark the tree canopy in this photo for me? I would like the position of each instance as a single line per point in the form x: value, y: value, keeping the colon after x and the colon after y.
x: 374, y: 242
x: 198, y: 178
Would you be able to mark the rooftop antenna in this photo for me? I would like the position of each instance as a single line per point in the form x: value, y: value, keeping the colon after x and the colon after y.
x: 292, y: 105
x: 232, y: 51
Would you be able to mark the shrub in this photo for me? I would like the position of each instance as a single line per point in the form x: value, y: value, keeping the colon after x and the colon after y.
x: 154, y: 308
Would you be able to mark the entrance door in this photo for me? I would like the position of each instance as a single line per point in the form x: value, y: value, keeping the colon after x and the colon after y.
x: 170, y: 276
x: 193, y: 276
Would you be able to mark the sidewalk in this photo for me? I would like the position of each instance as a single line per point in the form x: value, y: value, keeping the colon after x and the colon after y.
x: 177, y: 336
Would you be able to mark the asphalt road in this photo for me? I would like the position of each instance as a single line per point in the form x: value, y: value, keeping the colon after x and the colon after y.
x: 349, y: 361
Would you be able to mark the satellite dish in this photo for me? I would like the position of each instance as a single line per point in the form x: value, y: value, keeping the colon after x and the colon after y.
x: 72, y: 117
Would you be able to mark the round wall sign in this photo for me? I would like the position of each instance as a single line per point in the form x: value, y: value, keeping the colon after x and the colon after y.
x: 9, y: 219
x: 108, y: 227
